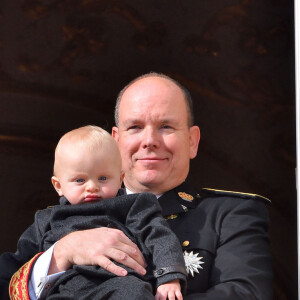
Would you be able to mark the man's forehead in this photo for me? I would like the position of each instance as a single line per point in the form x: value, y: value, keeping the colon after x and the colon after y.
x: 141, y: 119
x: 153, y: 82
x: 151, y: 94
x: 154, y: 98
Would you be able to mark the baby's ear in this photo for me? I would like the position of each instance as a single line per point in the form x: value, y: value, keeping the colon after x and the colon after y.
x: 121, y: 177
x: 56, y: 184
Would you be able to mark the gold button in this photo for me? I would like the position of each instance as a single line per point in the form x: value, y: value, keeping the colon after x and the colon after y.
x: 185, y: 243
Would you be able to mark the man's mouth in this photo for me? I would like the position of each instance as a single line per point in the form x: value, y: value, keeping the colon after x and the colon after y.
x: 151, y: 159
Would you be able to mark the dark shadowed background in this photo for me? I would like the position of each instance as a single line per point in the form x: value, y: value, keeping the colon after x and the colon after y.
x: 63, y: 62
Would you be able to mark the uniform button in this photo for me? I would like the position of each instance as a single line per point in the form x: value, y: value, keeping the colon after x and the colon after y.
x: 185, y: 243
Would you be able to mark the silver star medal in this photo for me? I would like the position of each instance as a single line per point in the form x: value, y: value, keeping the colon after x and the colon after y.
x: 192, y: 262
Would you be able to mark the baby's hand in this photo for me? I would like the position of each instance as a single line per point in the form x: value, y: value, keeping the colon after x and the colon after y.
x: 169, y: 290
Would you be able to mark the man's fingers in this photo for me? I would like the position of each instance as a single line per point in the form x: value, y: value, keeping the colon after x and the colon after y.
x: 133, y: 252
x: 107, y: 264
x: 99, y: 246
x: 118, y: 240
x: 123, y: 258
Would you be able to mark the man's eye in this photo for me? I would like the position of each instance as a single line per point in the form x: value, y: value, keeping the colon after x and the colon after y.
x: 103, y: 178
x: 134, y: 127
x: 166, y: 127
x: 79, y: 180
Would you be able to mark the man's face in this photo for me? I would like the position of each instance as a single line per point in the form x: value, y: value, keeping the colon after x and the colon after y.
x: 155, y: 141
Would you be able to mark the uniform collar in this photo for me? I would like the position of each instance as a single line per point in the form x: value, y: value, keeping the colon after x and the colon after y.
x: 171, y: 202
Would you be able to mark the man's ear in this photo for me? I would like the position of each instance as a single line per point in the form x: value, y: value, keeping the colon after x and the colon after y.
x: 56, y: 184
x: 194, y: 141
x: 115, y: 133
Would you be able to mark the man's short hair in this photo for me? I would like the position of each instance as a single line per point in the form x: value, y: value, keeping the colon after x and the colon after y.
x: 185, y: 91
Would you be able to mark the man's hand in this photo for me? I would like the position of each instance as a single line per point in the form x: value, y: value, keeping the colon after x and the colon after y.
x: 169, y: 290
x: 97, y: 246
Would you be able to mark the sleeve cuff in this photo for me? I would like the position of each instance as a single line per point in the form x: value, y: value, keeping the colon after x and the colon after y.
x: 18, y: 286
x: 171, y: 269
x: 167, y: 274
x: 41, y: 282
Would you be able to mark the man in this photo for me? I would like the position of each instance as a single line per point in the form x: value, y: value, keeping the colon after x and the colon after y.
x: 223, y: 235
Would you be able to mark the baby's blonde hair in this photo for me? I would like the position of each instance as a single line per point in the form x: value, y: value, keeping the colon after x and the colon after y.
x: 90, y: 137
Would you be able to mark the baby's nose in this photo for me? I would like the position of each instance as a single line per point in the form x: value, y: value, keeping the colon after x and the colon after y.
x: 93, y: 186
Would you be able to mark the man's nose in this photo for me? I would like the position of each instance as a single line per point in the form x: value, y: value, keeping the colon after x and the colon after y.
x: 151, y: 138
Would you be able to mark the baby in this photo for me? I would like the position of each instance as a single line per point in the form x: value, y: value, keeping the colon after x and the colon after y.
x: 87, y: 170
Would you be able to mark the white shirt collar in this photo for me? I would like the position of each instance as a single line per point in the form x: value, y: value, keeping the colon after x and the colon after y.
x: 128, y: 192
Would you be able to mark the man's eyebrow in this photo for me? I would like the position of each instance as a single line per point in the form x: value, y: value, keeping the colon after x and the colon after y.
x: 131, y: 121
x: 127, y: 122
x: 169, y: 120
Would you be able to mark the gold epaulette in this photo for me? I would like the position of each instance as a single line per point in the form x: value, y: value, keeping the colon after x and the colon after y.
x: 236, y: 194
x: 18, y: 286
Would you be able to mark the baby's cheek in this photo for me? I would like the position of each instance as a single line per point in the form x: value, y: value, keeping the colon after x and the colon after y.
x: 110, y: 192
x: 76, y: 196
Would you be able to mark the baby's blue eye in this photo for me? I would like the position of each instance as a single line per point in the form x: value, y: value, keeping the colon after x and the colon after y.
x: 103, y: 178
x: 79, y: 180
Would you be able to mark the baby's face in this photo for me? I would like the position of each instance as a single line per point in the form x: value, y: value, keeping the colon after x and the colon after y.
x: 86, y: 176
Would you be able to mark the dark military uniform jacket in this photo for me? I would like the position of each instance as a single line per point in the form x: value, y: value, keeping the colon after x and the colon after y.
x: 137, y: 215
x: 224, y: 237
x: 225, y: 241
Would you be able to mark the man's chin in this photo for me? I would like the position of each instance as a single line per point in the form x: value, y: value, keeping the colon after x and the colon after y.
x: 150, y: 177
x: 150, y: 183
x: 141, y: 178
